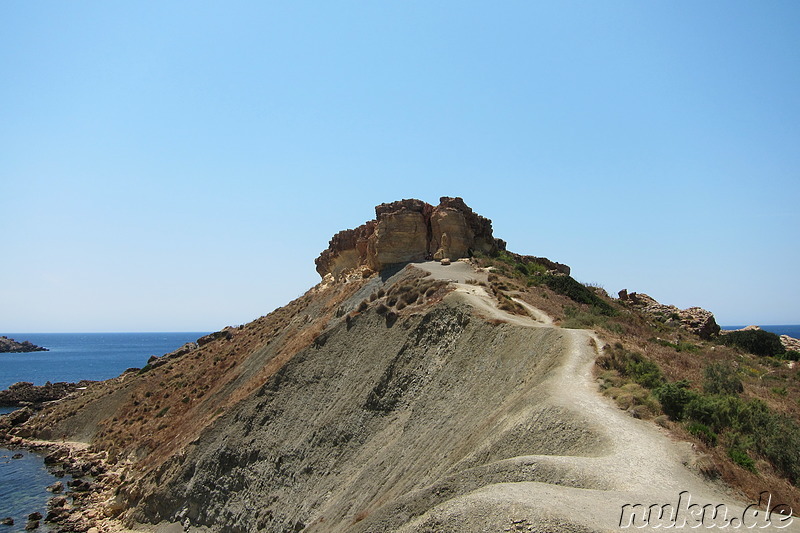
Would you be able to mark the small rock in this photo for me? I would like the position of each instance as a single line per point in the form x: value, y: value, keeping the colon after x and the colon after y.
x: 7, y: 521
x: 56, y: 487
x: 57, y: 501
x: 35, y: 516
x: 17, y: 456
x: 56, y: 515
x: 445, y: 261
x: 31, y: 525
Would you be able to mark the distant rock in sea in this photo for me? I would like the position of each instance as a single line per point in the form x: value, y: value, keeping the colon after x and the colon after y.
x: 11, y: 346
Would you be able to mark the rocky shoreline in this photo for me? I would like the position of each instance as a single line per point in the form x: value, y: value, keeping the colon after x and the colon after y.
x: 87, y: 500
x: 11, y: 346
x: 24, y: 393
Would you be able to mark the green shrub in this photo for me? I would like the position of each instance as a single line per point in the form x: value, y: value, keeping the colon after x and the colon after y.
x: 721, y: 378
x: 741, y: 458
x: 755, y: 341
x: 632, y: 365
x: 778, y: 439
x: 703, y: 432
x: 674, y: 398
x: 578, y: 292
x: 715, y: 411
x: 792, y: 355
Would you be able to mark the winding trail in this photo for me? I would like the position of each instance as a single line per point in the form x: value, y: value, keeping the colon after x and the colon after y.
x: 638, y: 464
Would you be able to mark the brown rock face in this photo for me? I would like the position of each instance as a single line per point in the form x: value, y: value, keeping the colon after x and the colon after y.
x: 409, y: 230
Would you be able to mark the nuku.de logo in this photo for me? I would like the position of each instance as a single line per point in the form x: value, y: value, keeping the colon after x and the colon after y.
x: 688, y: 515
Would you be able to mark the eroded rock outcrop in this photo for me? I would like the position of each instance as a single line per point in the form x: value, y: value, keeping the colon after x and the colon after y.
x: 11, y: 346
x: 26, y: 393
x: 410, y: 230
x: 695, y: 319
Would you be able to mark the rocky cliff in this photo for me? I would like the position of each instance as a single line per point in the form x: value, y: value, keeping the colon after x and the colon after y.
x: 410, y: 230
x: 11, y: 346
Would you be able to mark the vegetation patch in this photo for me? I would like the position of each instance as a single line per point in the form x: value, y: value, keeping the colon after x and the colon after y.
x: 755, y: 341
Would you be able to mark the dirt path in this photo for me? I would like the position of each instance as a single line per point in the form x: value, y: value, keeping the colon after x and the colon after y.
x: 639, y: 464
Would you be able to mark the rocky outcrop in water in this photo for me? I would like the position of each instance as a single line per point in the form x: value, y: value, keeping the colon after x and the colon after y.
x: 26, y: 393
x: 695, y: 319
x: 410, y: 230
x: 11, y: 346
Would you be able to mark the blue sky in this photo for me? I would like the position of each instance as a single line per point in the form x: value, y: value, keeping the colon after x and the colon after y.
x: 179, y: 165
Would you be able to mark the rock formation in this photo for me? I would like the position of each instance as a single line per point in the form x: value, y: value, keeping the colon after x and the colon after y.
x: 11, y: 346
x: 26, y: 393
x: 695, y: 319
x: 409, y: 230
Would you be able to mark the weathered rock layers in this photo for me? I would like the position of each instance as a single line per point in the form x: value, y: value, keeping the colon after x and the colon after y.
x: 409, y: 230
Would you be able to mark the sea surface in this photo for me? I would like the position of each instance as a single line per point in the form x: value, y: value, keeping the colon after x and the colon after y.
x: 77, y: 356
x: 72, y: 357
x: 791, y: 330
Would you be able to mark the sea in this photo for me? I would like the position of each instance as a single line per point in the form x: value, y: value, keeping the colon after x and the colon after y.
x: 791, y: 330
x: 71, y: 357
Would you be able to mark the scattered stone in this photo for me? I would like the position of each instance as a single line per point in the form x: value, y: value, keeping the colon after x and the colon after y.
x: 445, y: 261
x: 17, y: 456
x: 56, y: 487
x: 7, y: 521
x: 31, y: 525
x: 35, y: 516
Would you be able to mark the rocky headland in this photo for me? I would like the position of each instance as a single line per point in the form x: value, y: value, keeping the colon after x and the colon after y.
x: 11, y: 346
x: 405, y: 393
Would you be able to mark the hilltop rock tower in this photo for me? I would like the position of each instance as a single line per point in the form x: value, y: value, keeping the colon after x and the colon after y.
x: 410, y: 230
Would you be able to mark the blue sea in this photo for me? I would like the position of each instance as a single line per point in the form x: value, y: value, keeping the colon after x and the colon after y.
x: 72, y: 357
x: 791, y: 330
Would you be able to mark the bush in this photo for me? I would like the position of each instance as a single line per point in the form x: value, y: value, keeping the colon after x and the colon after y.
x: 740, y: 457
x: 632, y: 365
x: 674, y: 398
x: 721, y: 378
x: 717, y: 412
x: 578, y: 292
x: 755, y: 341
x: 792, y: 355
x: 702, y: 432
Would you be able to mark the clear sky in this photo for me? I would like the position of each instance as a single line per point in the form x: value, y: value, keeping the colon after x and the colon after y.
x: 177, y: 166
